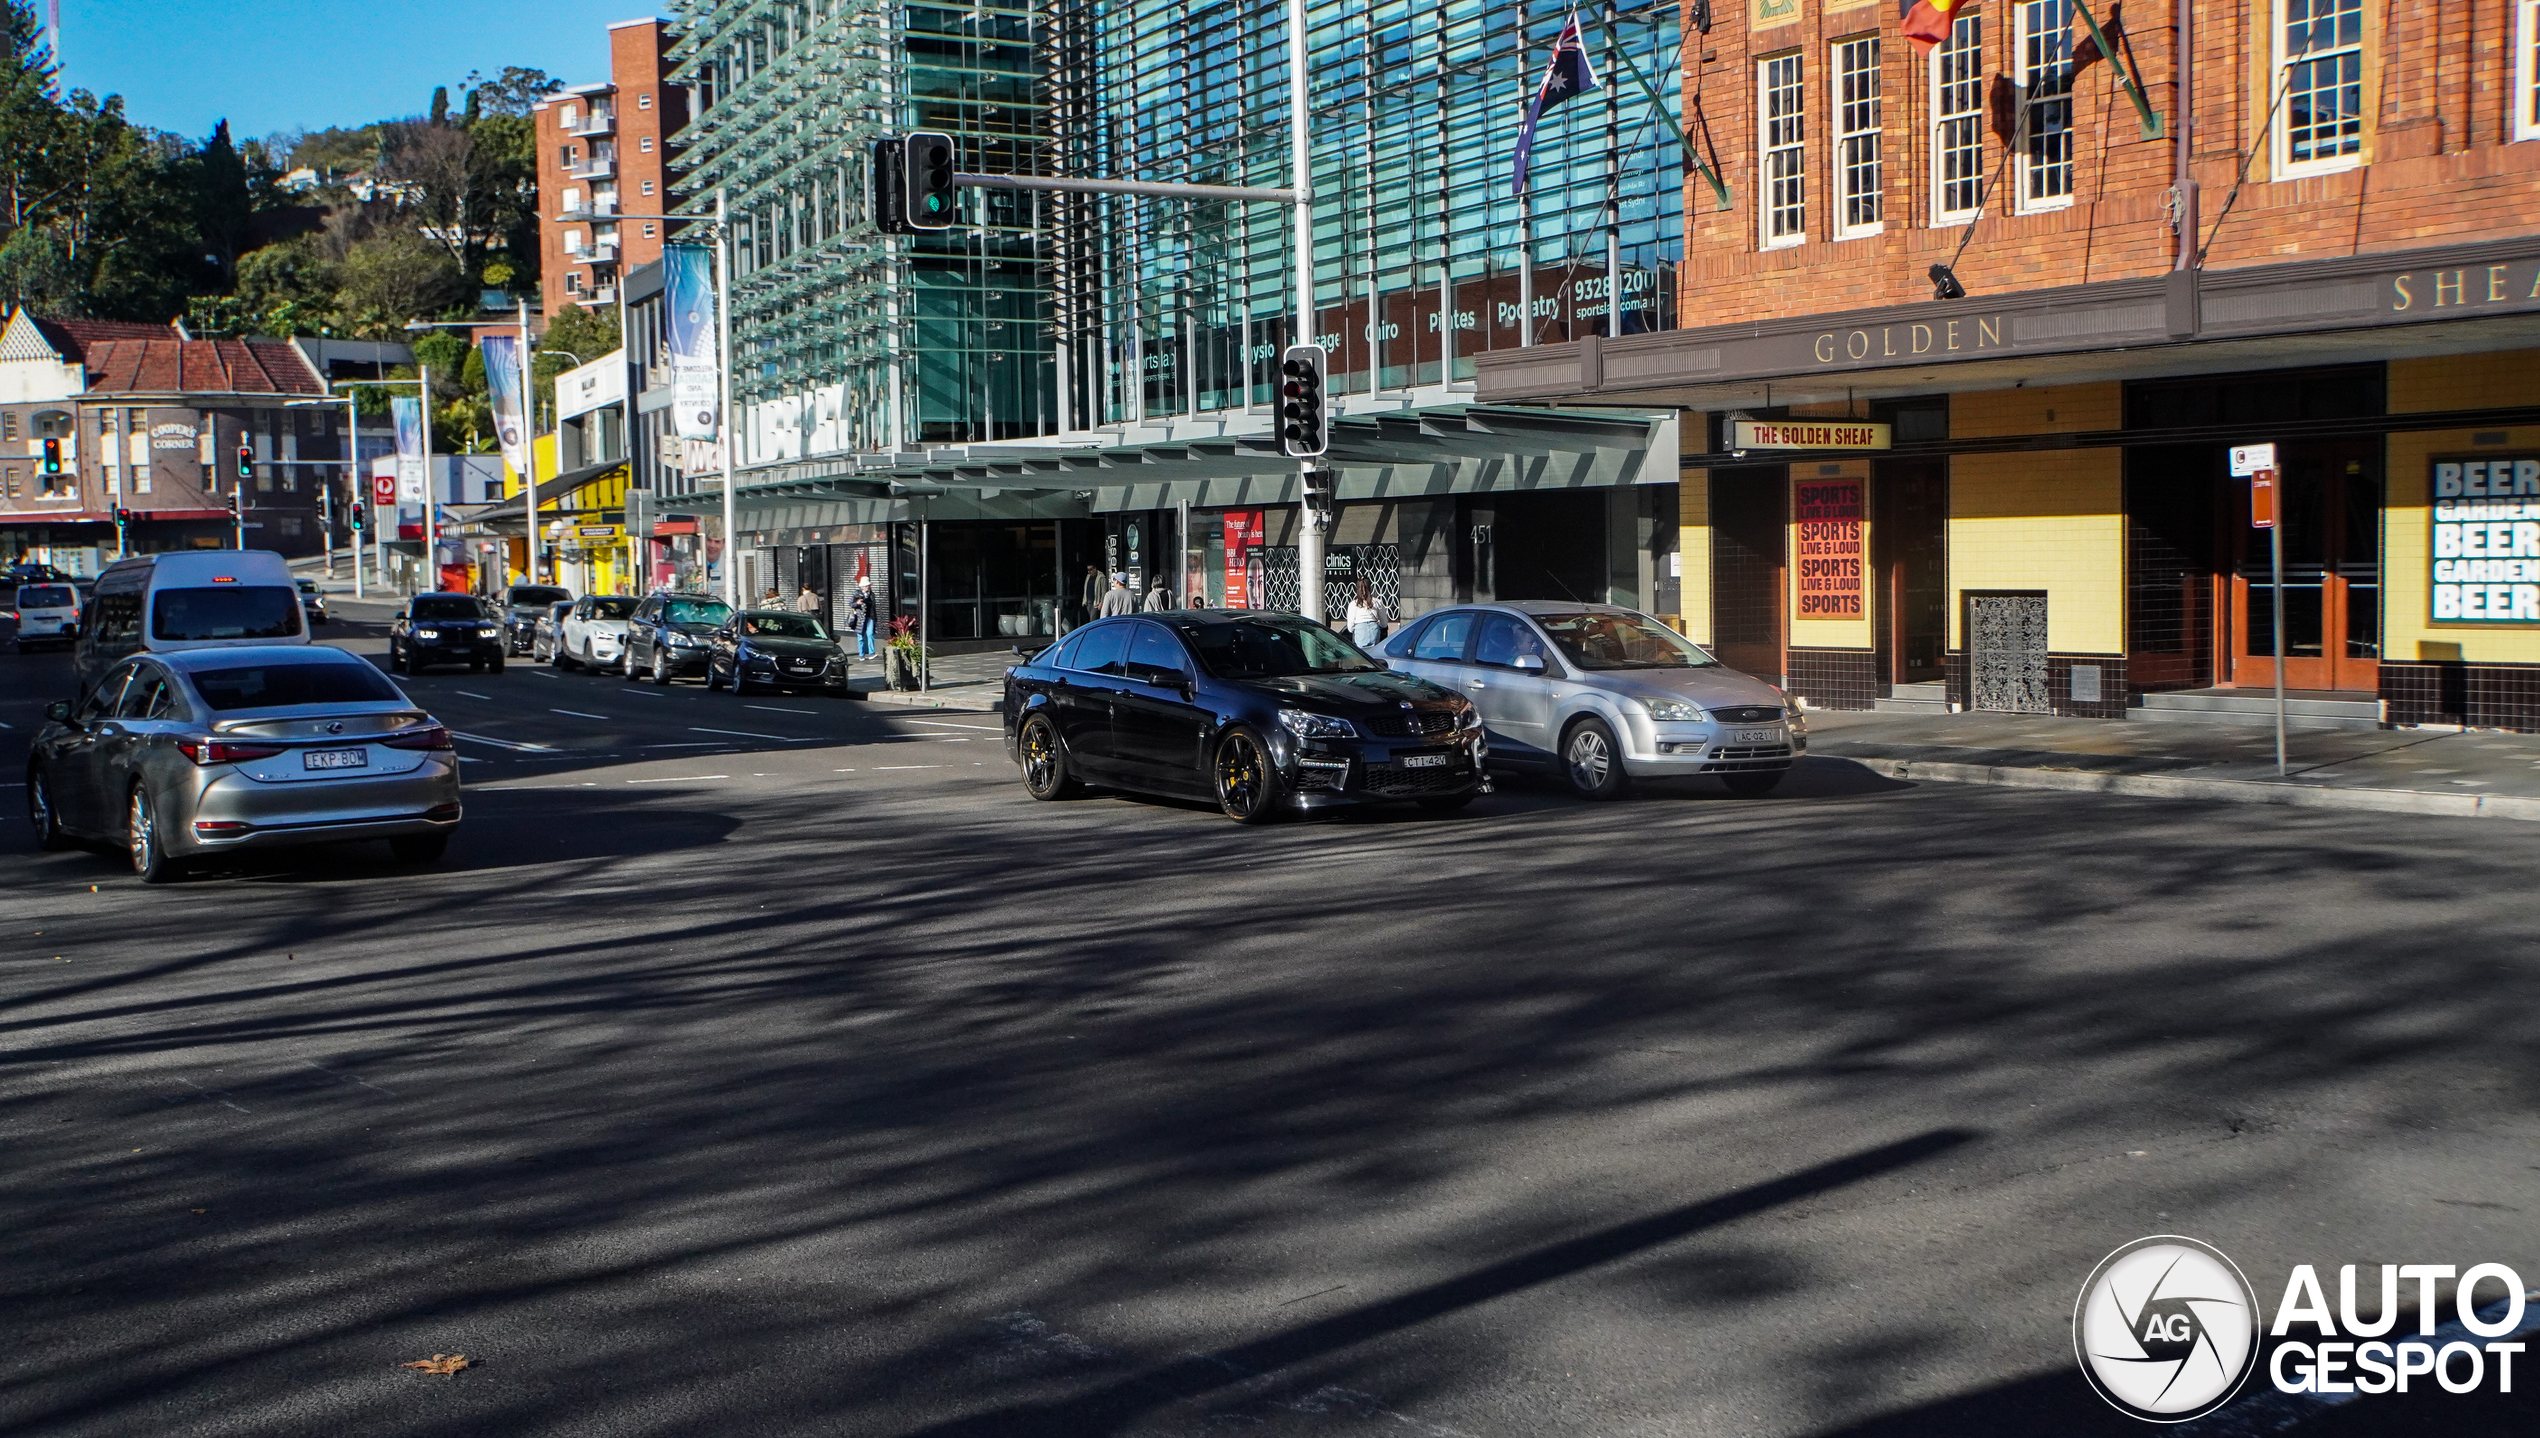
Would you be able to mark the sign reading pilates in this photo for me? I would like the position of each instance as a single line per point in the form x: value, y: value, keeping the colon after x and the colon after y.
x: 1828, y: 515
x: 2486, y: 534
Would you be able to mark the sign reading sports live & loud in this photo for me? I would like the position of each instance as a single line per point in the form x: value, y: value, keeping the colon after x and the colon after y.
x: 1828, y: 515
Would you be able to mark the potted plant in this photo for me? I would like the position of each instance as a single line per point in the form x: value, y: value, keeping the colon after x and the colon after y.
x: 903, y: 658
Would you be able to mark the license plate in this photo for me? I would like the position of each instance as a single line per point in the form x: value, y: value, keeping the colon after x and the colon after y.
x: 1756, y: 736
x: 798, y: 664
x: 335, y: 759
x: 1425, y: 761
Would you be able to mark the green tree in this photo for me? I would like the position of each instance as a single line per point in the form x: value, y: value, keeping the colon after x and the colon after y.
x: 395, y: 277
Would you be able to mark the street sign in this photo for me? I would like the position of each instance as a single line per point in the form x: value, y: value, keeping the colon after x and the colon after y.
x: 2248, y: 459
x: 2262, y: 492
x: 598, y: 531
x: 383, y: 489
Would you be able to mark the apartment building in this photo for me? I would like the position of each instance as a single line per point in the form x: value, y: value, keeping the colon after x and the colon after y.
x: 604, y: 150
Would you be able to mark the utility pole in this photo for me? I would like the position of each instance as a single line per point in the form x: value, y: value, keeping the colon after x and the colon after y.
x: 529, y: 446
x: 431, y: 497
x: 723, y: 377
x: 1309, y: 536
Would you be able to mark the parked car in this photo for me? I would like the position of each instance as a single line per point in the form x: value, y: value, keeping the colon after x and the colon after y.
x: 312, y: 602
x: 46, y: 614
x: 1259, y: 713
x: 445, y: 628
x: 778, y: 648
x: 31, y: 573
x: 594, y: 632
x: 188, y: 599
x: 546, y: 638
x: 672, y: 634
x: 522, y: 606
x: 1601, y: 695
x: 174, y: 757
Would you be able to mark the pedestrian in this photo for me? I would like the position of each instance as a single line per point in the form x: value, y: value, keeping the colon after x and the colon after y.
x: 1118, y: 599
x: 807, y: 602
x: 860, y: 613
x: 1093, y: 593
x: 771, y: 599
x: 1160, y: 597
x: 1366, y: 625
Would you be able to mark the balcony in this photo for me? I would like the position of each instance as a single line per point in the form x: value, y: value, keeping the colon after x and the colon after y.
x: 598, y: 122
x: 598, y: 167
x: 599, y: 295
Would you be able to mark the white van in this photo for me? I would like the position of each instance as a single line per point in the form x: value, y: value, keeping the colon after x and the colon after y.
x: 188, y: 599
x: 47, y: 614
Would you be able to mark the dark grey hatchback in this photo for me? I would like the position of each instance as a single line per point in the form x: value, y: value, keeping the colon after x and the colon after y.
x: 1259, y: 713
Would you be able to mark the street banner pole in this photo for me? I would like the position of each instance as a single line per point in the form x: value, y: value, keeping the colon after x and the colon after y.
x: 723, y: 396
x: 529, y: 402
x: 1309, y: 537
x: 431, y: 501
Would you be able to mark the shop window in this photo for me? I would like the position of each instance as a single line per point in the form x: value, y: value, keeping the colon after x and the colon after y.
x: 2046, y: 164
x: 1781, y: 104
x: 2320, y: 81
x: 1858, y: 173
x: 1957, y: 120
x: 2526, y: 102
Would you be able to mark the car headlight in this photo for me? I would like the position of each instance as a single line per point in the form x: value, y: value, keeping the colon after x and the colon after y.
x: 1316, y: 726
x: 427, y: 634
x: 1675, y: 711
x: 682, y: 641
x: 485, y: 631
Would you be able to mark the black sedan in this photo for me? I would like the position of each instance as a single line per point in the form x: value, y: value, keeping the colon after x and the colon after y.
x: 777, y: 648
x: 445, y: 629
x: 523, y: 606
x: 1260, y: 713
x: 672, y: 634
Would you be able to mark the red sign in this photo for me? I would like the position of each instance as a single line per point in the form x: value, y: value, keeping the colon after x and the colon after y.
x: 383, y: 489
x: 2262, y: 499
x: 1243, y: 537
x: 1829, y: 514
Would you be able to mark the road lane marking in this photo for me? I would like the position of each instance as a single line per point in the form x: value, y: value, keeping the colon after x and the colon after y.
x: 501, y: 743
x: 744, y: 733
x: 911, y: 766
x: 948, y: 724
x: 578, y: 714
x: 464, y: 694
x: 772, y: 709
x: 691, y: 744
x: 679, y: 779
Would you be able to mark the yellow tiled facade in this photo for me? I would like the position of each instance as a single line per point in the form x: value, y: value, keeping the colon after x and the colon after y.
x: 1693, y: 544
x: 2050, y: 521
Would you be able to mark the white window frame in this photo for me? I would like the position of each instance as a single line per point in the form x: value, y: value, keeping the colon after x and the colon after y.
x: 1971, y: 47
x: 1855, y: 144
x: 1781, y: 150
x: 2526, y: 125
x: 2045, y: 59
x: 2281, y: 141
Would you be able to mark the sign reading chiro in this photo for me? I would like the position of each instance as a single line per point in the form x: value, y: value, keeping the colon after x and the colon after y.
x: 1828, y: 513
x: 2486, y: 541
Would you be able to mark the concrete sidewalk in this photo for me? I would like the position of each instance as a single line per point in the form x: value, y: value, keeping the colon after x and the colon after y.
x: 2474, y: 774
x: 958, y: 681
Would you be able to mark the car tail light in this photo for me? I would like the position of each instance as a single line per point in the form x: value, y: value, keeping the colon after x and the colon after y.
x: 224, y: 751
x: 434, y: 737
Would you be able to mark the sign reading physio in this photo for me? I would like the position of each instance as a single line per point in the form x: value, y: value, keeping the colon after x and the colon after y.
x: 1828, y: 514
x: 2486, y: 541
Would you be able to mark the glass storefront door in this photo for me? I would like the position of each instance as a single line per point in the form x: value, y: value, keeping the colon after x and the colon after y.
x: 2332, y: 572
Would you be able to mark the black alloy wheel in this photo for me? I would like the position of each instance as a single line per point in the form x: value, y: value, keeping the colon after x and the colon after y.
x: 40, y: 813
x: 1045, y: 768
x: 1753, y: 786
x: 714, y: 676
x: 145, y: 843
x: 1248, y: 784
x: 1592, y: 761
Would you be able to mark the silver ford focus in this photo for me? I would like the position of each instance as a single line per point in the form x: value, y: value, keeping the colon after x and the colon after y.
x: 176, y: 757
x: 1600, y: 695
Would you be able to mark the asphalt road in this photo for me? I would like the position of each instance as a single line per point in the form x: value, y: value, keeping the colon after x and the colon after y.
x: 778, y: 1066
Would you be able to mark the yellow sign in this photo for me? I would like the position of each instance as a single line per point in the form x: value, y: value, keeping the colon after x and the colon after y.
x: 1807, y: 434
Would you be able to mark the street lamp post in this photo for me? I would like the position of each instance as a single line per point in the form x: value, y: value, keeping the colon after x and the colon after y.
x: 431, y: 505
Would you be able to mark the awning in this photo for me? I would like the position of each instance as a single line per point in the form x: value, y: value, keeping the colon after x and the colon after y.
x: 549, y: 490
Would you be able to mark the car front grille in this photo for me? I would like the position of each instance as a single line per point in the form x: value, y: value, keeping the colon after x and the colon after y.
x: 1773, y: 751
x: 1750, y: 714
x: 1392, y: 781
x: 1411, y: 724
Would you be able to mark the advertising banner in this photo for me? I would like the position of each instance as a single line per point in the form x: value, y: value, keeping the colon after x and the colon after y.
x: 407, y: 410
x: 1243, y: 560
x: 688, y: 297
x: 1828, y: 516
x: 504, y: 396
x: 2486, y: 541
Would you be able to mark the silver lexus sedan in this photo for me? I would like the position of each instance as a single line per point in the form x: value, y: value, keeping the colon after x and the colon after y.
x: 1601, y: 695
x: 176, y: 757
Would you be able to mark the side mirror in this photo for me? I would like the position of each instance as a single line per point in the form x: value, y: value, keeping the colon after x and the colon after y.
x: 59, y: 711
x: 1529, y: 663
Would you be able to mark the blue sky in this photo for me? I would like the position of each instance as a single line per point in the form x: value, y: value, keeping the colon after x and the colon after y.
x: 269, y: 65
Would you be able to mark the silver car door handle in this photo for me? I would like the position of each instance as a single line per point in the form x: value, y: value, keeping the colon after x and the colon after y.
x: 1475, y: 684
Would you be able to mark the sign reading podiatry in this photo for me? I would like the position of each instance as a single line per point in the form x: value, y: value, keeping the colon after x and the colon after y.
x: 2486, y: 532
x: 1807, y: 434
x: 1828, y: 515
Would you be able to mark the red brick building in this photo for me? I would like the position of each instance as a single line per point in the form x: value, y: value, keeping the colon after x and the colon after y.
x: 604, y: 148
x: 2032, y: 506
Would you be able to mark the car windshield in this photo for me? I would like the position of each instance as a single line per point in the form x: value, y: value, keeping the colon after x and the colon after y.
x: 695, y: 611
x: 530, y: 596
x: 782, y: 626
x: 1272, y: 649
x: 446, y: 606
x: 46, y: 596
x: 308, y: 586
x: 247, y: 611
x: 613, y: 606
x: 266, y: 686
x: 1621, y: 641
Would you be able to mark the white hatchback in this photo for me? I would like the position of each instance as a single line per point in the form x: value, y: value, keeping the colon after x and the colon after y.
x: 47, y: 614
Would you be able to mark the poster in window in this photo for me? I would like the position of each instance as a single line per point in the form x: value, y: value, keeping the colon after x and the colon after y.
x: 1828, y: 514
x: 2486, y: 541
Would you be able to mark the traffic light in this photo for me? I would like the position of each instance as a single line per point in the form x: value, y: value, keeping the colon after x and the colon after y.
x: 887, y: 204
x: 246, y: 460
x: 1303, y: 428
x: 926, y: 158
x: 1318, y: 490
x: 234, y: 505
x: 52, y: 456
x: 123, y: 516
x: 358, y: 520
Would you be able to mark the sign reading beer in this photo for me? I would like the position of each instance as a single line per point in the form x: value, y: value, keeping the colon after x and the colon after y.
x: 1807, y: 434
x: 2486, y: 533
x: 1827, y: 514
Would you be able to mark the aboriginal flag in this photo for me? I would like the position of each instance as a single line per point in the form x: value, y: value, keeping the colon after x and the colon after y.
x: 1568, y: 76
x: 1926, y: 22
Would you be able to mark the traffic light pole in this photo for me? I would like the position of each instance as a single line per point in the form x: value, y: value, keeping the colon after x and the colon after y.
x: 1309, y: 538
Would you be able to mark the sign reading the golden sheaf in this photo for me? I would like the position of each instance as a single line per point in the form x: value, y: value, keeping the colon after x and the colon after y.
x: 2486, y: 541
x: 1828, y: 515
x: 1806, y: 434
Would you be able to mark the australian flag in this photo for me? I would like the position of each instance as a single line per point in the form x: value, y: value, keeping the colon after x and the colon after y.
x: 1570, y: 75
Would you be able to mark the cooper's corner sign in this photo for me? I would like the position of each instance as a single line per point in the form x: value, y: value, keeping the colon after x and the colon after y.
x: 1807, y: 434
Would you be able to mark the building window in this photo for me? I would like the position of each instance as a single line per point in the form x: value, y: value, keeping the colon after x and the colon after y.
x: 1780, y: 102
x: 1856, y: 145
x: 1957, y: 120
x: 648, y: 187
x: 573, y: 282
x: 648, y: 230
x: 2527, y: 69
x: 2046, y: 166
x: 573, y: 242
x: 2320, y: 59
x: 8, y: 424
x: 645, y: 144
x: 565, y: 155
x: 644, y: 101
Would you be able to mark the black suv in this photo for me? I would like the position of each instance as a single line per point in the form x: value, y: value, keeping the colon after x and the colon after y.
x: 445, y: 628
x: 672, y: 634
x: 523, y: 604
